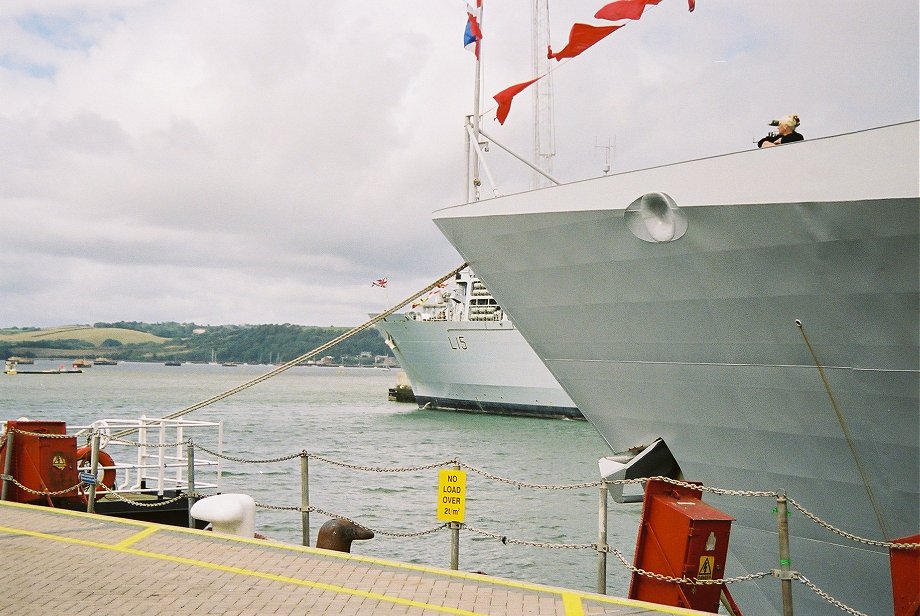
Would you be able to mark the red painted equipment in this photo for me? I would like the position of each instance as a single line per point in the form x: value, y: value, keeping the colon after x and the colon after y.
x: 905, y: 578
x: 41, y: 463
x: 680, y: 536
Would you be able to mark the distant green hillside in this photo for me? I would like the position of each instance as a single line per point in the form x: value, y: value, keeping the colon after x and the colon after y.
x: 135, y: 341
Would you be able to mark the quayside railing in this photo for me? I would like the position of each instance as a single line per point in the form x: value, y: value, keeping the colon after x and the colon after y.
x: 169, y: 459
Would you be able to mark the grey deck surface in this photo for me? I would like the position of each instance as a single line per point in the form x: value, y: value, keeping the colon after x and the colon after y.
x: 61, y: 562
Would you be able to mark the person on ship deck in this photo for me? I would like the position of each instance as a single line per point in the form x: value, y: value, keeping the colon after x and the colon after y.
x: 786, y: 128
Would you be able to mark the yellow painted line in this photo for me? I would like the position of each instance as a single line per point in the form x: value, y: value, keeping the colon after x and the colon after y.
x: 571, y: 603
x: 137, y: 537
x: 568, y: 596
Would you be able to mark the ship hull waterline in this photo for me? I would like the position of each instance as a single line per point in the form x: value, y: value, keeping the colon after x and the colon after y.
x: 478, y: 367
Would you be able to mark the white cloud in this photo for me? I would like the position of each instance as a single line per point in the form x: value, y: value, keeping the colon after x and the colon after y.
x: 230, y: 162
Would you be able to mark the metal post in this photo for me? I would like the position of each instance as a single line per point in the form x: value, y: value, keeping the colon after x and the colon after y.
x: 190, y: 455
x: 785, y: 571
x: 602, y: 539
x: 305, y: 496
x: 94, y: 470
x: 455, y: 545
x: 455, y: 539
x: 7, y: 464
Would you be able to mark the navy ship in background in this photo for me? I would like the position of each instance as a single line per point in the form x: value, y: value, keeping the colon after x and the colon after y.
x: 461, y: 352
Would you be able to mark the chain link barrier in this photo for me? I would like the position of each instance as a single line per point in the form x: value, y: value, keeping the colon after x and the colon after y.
x: 503, y: 538
x: 685, y: 580
x: 835, y: 602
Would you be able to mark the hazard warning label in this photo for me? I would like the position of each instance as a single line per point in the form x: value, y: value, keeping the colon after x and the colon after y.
x: 706, y: 565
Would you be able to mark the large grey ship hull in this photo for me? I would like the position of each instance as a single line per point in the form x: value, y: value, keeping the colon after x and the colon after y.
x: 683, y: 324
x: 482, y: 367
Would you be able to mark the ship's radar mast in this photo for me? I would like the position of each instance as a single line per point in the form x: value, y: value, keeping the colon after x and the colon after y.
x: 544, y: 130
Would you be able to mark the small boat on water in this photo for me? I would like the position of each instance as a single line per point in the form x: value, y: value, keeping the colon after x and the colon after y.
x: 82, y: 363
x: 11, y: 369
x: 21, y: 360
x: 172, y: 363
x: 132, y: 479
x: 104, y: 361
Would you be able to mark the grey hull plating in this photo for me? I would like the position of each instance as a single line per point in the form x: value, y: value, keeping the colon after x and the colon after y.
x: 683, y: 326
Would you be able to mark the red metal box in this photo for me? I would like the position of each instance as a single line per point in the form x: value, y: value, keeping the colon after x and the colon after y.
x: 680, y: 536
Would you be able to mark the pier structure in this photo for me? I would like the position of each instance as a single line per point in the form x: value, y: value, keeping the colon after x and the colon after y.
x: 68, y: 562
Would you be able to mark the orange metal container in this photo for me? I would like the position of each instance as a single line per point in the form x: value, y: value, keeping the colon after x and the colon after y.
x: 680, y: 536
x: 905, y: 578
x: 41, y: 463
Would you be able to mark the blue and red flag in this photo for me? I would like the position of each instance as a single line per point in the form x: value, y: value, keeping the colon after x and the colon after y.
x: 473, y: 34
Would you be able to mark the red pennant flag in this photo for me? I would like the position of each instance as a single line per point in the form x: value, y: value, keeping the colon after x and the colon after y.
x: 581, y: 37
x: 692, y: 4
x: 622, y: 9
x: 504, y: 97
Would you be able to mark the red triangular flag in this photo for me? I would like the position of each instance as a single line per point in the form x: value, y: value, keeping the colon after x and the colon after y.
x: 581, y: 37
x: 504, y: 97
x: 622, y: 9
x: 692, y: 4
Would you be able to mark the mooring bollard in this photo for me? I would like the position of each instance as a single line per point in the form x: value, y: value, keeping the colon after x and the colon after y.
x: 94, y: 470
x: 305, y: 496
x: 785, y: 564
x: 190, y: 458
x: 7, y: 464
x: 602, y: 539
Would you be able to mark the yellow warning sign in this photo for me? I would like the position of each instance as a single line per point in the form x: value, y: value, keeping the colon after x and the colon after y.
x: 451, y: 495
x: 706, y: 565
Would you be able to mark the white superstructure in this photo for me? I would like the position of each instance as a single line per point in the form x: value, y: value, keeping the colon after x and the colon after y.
x: 758, y: 313
x: 461, y: 352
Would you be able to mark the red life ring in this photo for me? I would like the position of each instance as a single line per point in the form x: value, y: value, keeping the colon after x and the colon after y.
x: 84, y: 458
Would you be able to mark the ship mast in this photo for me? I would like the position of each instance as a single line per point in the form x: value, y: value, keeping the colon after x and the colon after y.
x: 544, y: 130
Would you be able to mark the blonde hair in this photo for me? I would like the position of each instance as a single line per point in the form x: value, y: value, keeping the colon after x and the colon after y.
x: 791, y: 120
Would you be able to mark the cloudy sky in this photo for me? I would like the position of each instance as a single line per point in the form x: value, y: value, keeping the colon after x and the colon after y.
x: 230, y: 161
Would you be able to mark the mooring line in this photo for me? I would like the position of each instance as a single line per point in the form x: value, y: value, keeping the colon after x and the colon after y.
x: 305, y: 356
x: 846, y: 433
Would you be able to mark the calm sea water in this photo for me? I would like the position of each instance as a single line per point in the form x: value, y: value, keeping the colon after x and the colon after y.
x: 343, y: 414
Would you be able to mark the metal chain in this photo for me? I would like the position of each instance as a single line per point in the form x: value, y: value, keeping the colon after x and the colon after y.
x: 245, y: 461
x: 522, y: 484
x: 380, y: 469
x: 150, y: 505
x: 685, y: 580
x: 506, y: 540
x: 843, y: 533
x: 829, y: 598
x: 40, y: 434
x: 329, y: 514
x: 702, y: 488
x: 119, y: 441
x: 42, y: 493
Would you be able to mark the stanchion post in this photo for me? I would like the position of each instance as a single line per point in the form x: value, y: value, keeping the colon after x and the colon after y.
x: 190, y: 459
x: 7, y: 465
x: 94, y: 469
x: 455, y: 545
x: 305, y: 496
x: 602, y: 539
x: 455, y: 539
x: 785, y: 568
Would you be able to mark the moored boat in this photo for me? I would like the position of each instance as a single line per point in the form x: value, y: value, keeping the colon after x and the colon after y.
x: 765, y: 331
x: 104, y: 361
x: 461, y: 352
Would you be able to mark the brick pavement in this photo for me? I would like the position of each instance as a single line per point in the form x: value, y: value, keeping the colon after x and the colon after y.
x: 54, y: 561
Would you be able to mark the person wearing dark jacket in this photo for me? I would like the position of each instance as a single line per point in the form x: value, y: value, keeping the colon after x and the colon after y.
x: 786, y: 129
